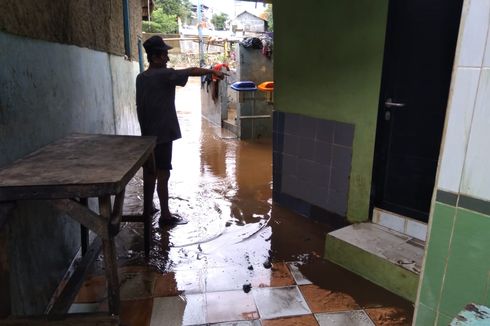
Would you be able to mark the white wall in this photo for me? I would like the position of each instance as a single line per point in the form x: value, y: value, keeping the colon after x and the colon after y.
x: 466, y: 146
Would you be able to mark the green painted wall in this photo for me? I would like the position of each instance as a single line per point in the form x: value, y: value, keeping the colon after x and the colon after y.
x: 328, y: 61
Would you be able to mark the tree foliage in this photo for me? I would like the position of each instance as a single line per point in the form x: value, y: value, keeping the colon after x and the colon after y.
x: 161, y: 23
x: 179, y: 8
x: 164, y: 17
x: 270, y: 20
x: 219, y: 21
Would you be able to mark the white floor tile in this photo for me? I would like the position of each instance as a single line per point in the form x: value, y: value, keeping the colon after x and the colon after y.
x: 351, y: 318
x: 179, y: 310
x: 299, y: 278
x: 280, y: 302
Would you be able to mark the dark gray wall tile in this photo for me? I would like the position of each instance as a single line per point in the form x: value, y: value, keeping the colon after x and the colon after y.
x: 308, y: 127
x: 292, y: 124
x: 307, y: 148
x: 325, y: 130
x: 291, y: 144
x: 278, y: 142
x: 319, y: 196
x: 276, y: 182
x: 314, y: 173
x: 278, y: 121
x: 289, y: 184
x: 344, y: 134
x: 314, y: 169
x: 337, y: 202
x: 341, y: 156
x: 289, y: 165
x: 323, y: 153
x: 277, y: 158
x: 447, y: 197
x: 474, y: 204
x: 339, y: 179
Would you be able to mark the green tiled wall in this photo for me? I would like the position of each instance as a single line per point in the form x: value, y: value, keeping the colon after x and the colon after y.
x: 457, y: 265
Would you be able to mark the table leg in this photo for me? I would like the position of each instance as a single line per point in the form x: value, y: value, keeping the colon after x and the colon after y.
x: 110, y: 260
x: 84, y: 235
x: 6, y: 211
x: 147, y: 234
x: 148, y: 191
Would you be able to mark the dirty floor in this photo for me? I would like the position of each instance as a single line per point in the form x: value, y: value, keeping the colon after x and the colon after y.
x: 241, y: 260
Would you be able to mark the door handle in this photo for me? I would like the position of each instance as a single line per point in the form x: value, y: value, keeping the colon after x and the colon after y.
x: 389, y: 104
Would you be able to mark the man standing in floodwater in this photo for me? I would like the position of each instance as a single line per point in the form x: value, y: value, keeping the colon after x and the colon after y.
x: 155, y: 105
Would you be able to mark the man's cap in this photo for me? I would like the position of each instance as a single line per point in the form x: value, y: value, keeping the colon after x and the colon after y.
x: 155, y: 43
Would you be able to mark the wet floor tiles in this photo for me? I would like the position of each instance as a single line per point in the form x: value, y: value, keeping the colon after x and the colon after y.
x: 280, y: 295
x: 297, y: 275
x: 321, y: 300
x: 233, y: 278
x: 307, y: 320
x: 179, y: 310
x: 230, y: 305
x: 280, y: 302
x: 136, y: 312
x: 351, y: 318
x: 388, y: 316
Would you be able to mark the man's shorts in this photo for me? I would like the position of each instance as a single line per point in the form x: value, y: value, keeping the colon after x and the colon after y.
x: 163, y: 156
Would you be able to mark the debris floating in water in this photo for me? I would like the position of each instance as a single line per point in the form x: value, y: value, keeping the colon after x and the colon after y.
x: 267, y: 264
x: 247, y: 287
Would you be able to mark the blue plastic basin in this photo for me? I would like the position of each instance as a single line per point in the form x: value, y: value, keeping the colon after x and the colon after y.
x: 244, y: 86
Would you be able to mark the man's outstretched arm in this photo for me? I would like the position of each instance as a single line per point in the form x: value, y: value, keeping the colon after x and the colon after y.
x: 195, y: 71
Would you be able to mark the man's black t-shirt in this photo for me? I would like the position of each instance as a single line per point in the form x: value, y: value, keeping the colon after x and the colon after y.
x: 155, y: 103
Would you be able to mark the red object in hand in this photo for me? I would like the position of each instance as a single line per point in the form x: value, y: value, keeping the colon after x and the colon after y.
x: 218, y: 67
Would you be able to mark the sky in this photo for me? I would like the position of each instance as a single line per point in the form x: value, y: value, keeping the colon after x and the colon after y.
x: 233, y: 8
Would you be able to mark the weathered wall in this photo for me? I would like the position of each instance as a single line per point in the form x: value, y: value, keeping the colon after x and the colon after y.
x: 214, y: 111
x: 328, y: 60
x: 48, y: 90
x: 456, y: 268
x: 123, y: 76
x: 62, y: 89
x: 87, y: 23
x: 256, y: 67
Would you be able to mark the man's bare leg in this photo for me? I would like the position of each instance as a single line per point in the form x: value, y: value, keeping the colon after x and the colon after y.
x: 162, y: 189
x: 149, y: 179
x: 166, y: 218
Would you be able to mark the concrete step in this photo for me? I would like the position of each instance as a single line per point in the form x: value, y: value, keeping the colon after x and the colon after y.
x: 385, y: 257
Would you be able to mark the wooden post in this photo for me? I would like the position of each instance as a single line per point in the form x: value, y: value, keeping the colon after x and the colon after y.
x: 110, y: 260
x: 6, y: 210
x: 84, y: 235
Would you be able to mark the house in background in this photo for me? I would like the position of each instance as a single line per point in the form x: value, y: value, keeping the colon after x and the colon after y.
x: 249, y: 23
x: 67, y: 66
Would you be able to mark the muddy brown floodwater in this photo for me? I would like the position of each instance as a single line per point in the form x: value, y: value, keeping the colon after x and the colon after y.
x: 223, y: 186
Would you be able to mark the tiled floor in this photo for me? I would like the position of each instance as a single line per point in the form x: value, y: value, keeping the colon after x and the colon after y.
x: 278, y: 296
